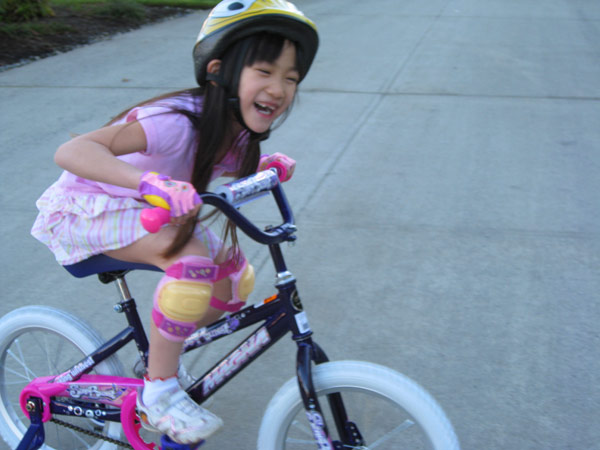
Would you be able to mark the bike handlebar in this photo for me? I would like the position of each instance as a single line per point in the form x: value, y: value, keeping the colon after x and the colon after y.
x: 230, y: 196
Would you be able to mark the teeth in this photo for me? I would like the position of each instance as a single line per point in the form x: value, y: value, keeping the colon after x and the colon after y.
x: 264, y: 108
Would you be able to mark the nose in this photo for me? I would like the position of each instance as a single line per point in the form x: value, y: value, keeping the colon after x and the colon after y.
x: 276, y: 88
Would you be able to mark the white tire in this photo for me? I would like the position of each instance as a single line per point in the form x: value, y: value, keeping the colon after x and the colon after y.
x: 390, y: 410
x: 38, y: 341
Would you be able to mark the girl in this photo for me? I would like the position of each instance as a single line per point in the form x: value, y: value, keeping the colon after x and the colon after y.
x: 249, y: 58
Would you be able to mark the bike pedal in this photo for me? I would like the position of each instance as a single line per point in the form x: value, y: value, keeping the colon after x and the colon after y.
x: 166, y: 443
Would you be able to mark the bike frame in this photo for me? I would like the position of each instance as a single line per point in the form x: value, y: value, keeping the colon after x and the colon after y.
x: 277, y: 316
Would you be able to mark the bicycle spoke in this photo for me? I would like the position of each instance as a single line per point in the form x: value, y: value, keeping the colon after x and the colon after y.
x: 368, y: 399
x: 14, y: 372
x: 403, y: 426
x: 62, y: 435
x: 78, y: 438
x: 39, y: 350
x: 20, y: 360
x: 43, y: 348
x: 300, y: 441
x: 399, y: 429
x: 52, y: 365
x: 13, y: 383
x: 302, y: 427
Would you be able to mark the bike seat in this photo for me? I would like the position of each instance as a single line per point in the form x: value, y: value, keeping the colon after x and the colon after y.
x: 102, y: 263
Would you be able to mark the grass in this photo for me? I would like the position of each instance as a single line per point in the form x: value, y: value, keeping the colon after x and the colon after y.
x: 116, y: 9
x: 193, y: 4
x: 127, y: 9
x: 110, y: 8
x: 74, y: 22
x: 37, y: 29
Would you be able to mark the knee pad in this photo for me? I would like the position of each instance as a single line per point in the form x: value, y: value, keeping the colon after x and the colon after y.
x: 242, y: 282
x: 241, y: 274
x: 183, y: 295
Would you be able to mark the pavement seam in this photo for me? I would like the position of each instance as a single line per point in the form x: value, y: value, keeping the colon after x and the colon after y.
x: 359, y: 125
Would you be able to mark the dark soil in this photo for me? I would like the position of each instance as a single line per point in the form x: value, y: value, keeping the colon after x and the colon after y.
x: 68, y: 29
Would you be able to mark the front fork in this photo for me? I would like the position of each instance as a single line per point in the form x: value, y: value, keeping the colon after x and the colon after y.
x: 309, y: 352
x: 34, y: 437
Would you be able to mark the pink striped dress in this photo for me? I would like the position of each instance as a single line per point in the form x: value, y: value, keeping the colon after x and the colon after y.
x: 79, y: 218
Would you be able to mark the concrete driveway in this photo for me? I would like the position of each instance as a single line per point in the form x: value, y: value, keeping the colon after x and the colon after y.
x: 447, y: 195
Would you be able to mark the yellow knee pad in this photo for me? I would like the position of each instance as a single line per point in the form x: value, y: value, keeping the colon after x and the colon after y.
x: 243, y: 283
x: 183, y: 296
x: 185, y: 301
x: 241, y: 274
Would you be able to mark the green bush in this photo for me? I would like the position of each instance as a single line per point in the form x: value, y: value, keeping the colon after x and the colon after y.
x: 24, y: 10
x: 120, y: 10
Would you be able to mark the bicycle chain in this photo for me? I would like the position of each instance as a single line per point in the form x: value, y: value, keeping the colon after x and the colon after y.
x: 92, y: 433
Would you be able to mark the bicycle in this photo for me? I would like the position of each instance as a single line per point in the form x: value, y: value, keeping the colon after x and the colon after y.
x: 61, y: 385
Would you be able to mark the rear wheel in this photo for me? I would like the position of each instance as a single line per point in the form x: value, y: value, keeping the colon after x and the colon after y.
x: 38, y: 341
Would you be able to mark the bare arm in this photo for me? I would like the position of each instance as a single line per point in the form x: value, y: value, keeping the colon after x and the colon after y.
x: 92, y: 155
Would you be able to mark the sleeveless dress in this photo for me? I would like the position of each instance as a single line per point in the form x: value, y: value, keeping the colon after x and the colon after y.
x: 79, y: 218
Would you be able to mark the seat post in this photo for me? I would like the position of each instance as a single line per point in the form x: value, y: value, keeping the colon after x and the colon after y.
x: 123, y: 288
x: 127, y: 305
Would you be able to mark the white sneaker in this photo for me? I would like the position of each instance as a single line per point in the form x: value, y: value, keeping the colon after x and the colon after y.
x: 179, y: 417
x: 185, y: 379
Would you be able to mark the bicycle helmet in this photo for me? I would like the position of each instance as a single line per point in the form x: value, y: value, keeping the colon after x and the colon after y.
x: 232, y: 20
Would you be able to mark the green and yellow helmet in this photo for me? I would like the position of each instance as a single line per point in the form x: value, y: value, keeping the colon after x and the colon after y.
x: 232, y: 20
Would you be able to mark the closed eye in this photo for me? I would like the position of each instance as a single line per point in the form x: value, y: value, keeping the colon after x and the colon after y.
x: 293, y: 76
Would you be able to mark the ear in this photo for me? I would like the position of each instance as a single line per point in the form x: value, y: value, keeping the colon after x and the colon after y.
x: 213, y: 67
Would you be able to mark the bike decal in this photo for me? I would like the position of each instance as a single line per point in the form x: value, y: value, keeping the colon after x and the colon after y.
x: 302, y: 322
x: 317, y: 425
x: 241, y: 191
x: 78, y: 369
x: 92, y: 392
x: 205, y: 335
x: 236, y: 360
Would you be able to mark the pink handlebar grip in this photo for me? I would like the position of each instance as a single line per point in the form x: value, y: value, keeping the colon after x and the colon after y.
x: 154, y: 218
x: 280, y: 168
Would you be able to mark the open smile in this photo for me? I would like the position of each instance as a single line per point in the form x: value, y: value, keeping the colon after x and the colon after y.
x: 265, y: 109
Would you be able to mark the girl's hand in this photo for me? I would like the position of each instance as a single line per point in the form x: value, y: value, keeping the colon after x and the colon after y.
x: 179, y: 197
x: 284, y: 164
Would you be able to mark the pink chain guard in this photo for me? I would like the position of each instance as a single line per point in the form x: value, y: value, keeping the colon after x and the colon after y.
x: 44, y: 388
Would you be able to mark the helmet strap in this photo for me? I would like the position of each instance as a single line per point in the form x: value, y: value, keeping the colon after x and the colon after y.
x: 233, y: 99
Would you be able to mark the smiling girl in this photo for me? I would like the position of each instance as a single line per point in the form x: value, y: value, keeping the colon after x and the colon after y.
x: 249, y: 58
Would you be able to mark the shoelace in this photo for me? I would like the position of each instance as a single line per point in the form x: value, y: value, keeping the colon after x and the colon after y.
x: 183, y: 403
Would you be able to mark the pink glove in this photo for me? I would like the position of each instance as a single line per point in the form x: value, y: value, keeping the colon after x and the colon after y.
x: 283, y: 163
x: 179, y: 197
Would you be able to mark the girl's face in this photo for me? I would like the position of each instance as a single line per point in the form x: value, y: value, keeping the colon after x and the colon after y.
x: 268, y: 88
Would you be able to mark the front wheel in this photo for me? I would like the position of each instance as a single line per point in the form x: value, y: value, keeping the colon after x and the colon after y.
x: 38, y: 341
x: 390, y: 411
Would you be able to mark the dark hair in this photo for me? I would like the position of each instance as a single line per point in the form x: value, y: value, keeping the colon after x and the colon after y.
x: 213, y: 123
